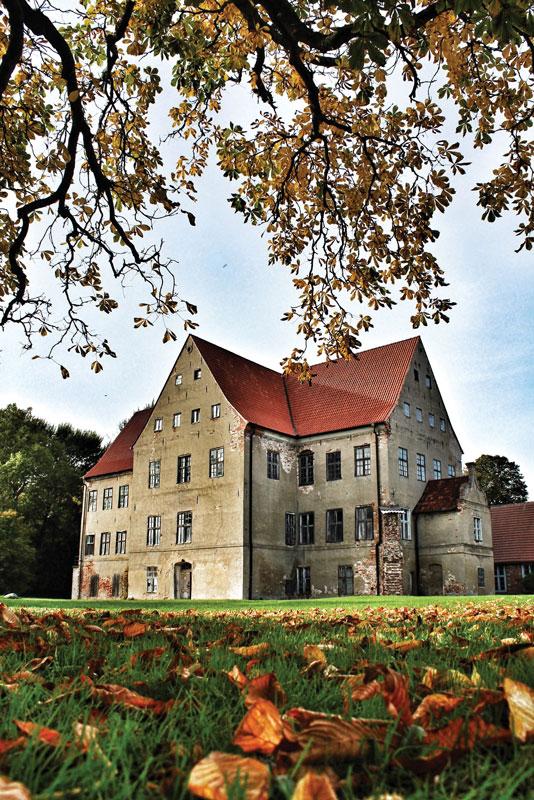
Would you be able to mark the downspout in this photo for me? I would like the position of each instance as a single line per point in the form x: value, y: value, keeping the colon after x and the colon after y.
x: 82, y: 537
x: 378, y: 493
x: 250, y: 513
x: 416, y: 544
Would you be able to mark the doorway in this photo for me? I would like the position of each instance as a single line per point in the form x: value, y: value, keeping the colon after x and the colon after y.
x: 435, y: 579
x: 182, y: 580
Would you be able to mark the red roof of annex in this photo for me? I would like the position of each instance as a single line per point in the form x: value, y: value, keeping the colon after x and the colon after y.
x: 512, y: 528
x: 342, y: 395
x: 441, y: 494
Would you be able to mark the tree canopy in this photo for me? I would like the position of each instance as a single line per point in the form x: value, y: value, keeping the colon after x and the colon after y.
x: 41, y: 468
x: 501, y: 480
x: 345, y: 171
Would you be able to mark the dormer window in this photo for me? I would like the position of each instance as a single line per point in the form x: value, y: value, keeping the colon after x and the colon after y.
x: 197, y: 374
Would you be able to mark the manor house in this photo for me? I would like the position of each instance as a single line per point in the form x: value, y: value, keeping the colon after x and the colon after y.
x: 243, y: 483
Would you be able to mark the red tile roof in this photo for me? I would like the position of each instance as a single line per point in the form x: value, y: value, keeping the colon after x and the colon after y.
x: 512, y: 528
x: 343, y: 394
x: 441, y: 495
x: 119, y: 455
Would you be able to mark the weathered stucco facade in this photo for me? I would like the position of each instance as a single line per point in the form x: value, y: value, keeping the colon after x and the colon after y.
x: 242, y: 483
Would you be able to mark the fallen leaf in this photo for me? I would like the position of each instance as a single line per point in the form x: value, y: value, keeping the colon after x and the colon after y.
x: 147, y: 655
x: 261, y: 729
x: 520, y: 699
x: 462, y: 735
x: 13, y: 790
x: 253, y: 651
x: 433, y: 707
x: 265, y: 687
x: 237, y: 678
x: 111, y: 693
x: 314, y: 787
x: 134, y: 629
x: 405, y: 647
x: 212, y: 777
x: 46, y: 735
x: 9, y: 617
x: 313, y: 653
x: 11, y: 744
x: 329, y: 737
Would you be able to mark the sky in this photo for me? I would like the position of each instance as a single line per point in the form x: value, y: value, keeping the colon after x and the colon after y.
x: 482, y: 360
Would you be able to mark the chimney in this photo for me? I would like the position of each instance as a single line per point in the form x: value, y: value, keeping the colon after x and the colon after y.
x: 471, y: 473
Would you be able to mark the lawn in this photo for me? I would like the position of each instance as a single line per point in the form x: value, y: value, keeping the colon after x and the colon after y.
x: 306, y: 700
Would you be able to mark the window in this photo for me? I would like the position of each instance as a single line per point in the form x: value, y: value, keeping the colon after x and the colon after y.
x: 345, y: 580
x: 107, y: 499
x: 154, y: 474
x: 364, y: 523
x: 116, y: 585
x: 197, y: 374
x: 436, y: 468
x: 362, y: 460
x: 403, y: 462
x: 151, y: 580
x: 451, y: 471
x: 432, y: 420
x: 183, y: 474
x: 421, y: 467
x: 303, y: 581
x: 333, y: 466
x: 153, y: 531
x: 306, y: 468
x: 123, y: 495
x: 184, y: 527
x: 428, y: 381
x: 216, y: 411
x: 178, y: 380
x: 500, y: 578
x: 89, y: 544
x: 195, y: 416
x: 273, y: 465
x: 306, y: 527
x: 120, y: 542
x: 477, y: 529
x: 158, y: 424
x: 481, y: 577
x: 176, y: 419
x: 526, y: 569
x: 217, y: 462
x: 290, y: 529
x: 442, y: 424
x: 334, y: 525
x: 416, y: 375
x: 105, y: 544
x: 406, y: 409
x: 418, y: 414
x: 405, y: 529
x: 93, y: 586
x: 91, y: 500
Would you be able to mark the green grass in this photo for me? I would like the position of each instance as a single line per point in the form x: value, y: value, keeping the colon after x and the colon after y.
x: 142, y: 755
x: 358, y: 602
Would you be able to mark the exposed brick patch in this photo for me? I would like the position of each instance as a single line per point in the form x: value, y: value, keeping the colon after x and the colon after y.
x: 391, y: 555
x: 452, y: 586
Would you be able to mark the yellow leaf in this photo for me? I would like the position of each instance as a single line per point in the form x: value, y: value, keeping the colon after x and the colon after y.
x: 217, y: 773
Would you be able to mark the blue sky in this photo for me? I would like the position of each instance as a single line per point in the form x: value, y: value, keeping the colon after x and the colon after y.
x: 483, y: 359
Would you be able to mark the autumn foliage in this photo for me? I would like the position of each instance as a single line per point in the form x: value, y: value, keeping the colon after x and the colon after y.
x: 312, y: 704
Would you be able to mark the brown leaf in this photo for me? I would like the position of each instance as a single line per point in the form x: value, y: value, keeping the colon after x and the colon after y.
x: 265, y: 687
x: 11, y: 744
x: 314, y: 787
x: 212, y: 777
x: 253, y: 651
x: 405, y: 647
x: 111, y: 693
x: 520, y: 699
x: 260, y: 730
x: 84, y: 735
x: 8, y: 617
x: 147, y: 655
x: 134, y: 629
x: 462, y: 735
x: 433, y: 707
x: 314, y: 653
x: 12, y: 790
x: 237, y: 678
x: 333, y: 738
x: 46, y: 735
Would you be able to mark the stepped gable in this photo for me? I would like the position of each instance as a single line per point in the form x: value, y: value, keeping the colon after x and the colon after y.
x: 343, y: 394
x: 512, y: 527
x: 443, y: 494
x: 119, y: 455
